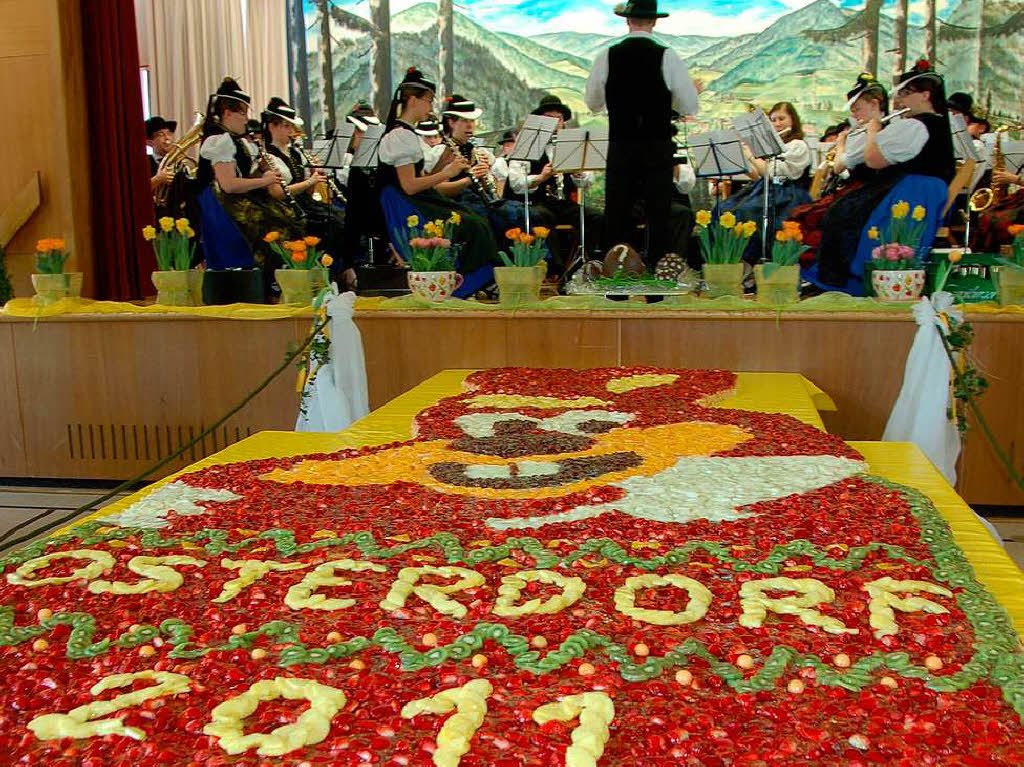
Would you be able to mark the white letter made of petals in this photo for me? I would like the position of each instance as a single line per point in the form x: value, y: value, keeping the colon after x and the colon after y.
x: 337, y: 395
x: 920, y: 413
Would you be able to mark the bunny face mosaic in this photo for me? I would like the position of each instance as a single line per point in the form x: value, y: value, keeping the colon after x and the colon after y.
x: 563, y: 567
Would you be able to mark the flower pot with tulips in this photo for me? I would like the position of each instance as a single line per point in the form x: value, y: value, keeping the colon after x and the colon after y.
x: 896, y: 271
x: 722, y: 244
x: 778, y: 281
x: 50, y: 280
x: 304, y: 270
x: 174, y: 246
x: 1009, y: 275
x: 428, y: 251
x: 520, y: 279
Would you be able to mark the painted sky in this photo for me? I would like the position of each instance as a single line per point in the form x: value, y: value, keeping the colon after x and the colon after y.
x: 688, y: 17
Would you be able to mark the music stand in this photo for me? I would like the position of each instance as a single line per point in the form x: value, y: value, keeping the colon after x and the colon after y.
x: 765, y: 144
x: 578, y: 150
x: 333, y: 148
x: 1013, y: 155
x: 366, y: 156
x: 717, y: 154
x: 531, y: 143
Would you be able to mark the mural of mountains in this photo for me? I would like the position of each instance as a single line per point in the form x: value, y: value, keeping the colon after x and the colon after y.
x: 507, y: 73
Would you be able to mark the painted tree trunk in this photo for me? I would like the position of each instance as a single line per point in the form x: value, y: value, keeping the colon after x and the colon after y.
x: 298, y: 66
x: 900, y: 59
x: 930, y: 37
x: 446, y: 46
x: 326, y: 65
x: 380, y: 57
x: 979, y: 42
x: 871, y: 12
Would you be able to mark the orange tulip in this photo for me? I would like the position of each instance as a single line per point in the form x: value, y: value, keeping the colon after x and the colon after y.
x: 44, y: 246
x: 782, y: 236
x: 311, y: 241
x: 541, y: 231
x: 271, y: 236
x: 790, y: 226
x: 513, y: 234
x: 299, y: 256
x: 1015, y: 229
x: 58, y: 244
x: 527, y: 239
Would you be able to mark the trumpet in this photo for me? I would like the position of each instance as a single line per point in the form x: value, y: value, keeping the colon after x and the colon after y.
x: 177, y: 157
x: 891, y: 115
x: 313, y: 162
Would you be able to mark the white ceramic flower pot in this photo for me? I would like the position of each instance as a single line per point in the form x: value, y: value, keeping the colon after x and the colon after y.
x: 898, y: 284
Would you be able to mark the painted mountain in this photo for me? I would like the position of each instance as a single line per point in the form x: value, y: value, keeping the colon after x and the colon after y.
x: 810, y: 56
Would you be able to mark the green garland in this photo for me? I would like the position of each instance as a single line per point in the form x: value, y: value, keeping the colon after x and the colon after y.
x: 6, y: 289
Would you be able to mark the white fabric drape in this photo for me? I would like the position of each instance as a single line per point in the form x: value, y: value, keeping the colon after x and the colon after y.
x: 191, y: 45
x: 920, y: 413
x: 338, y: 395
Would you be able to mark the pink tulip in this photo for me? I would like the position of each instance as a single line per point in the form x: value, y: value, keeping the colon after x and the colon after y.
x: 442, y: 242
x: 876, y: 252
x: 417, y: 242
x: 906, y: 251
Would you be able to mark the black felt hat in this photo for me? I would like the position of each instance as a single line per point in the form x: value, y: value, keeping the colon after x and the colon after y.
x: 362, y: 115
x: 865, y: 80
x: 509, y: 135
x: 961, y: 102
x: 156, y: 123
x: 414, y: 77
x: 230, y: 89
x: 639, y: 9
x: 459, y: 106
x: 278, y: 109
x: 552, y: 103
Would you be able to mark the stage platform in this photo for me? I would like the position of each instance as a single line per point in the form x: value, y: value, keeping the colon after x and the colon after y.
x: 158, y: 376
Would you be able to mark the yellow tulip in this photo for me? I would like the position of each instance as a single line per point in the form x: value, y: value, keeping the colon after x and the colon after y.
x: 181, y: 225
x: 149, y: 233
x: 919, y: 212
x: 190, y: 232
x: 873, y: 233
x: 955, y: 256
x: 413, y: 221
x: 167, y: 223
x: 455, y: 218
x: 703, y: 217
x: 728, y: 220
x: 900, y: 209
x: 749, y: 227
x: 326, y: 259
x: 739, y: 229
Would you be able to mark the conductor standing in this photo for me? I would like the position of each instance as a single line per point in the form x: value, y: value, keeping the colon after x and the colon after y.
x: 640, y: 81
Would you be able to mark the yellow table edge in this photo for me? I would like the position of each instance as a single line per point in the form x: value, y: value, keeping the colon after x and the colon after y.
x: 900, y: 462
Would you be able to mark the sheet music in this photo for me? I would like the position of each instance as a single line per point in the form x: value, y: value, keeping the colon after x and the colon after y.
x: 366, y: 155
x: 580, y: 149
x: 963, y: 142
x: 717, y: 153
x: 534, y: 138
x: 1013, y: 155
x: 333, y: 150
x: 757, y: 130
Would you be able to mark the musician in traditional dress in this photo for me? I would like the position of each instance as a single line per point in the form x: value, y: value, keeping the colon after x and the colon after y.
x: 788, y: 174
x: 401, y: 171
x: 499, y: 170
x: 920, y: 145
x: 230, y: 171
x: 159, y: 138
x: 554, y: 197
x: 475, y: 188
x: 306, y: 185
x: 364, y: 219
x: 640, y: 81
x: 867, y: 100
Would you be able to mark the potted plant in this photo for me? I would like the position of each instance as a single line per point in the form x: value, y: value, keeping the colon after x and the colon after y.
x: 428, y: 252
x: 519, y: 280
x: 896, y: 272
x: 1009, y: 275
x: 50, y: 281
x: 304, y: 269
x: 177, y: 284
x: 778, y: 281
x: 722, y: 245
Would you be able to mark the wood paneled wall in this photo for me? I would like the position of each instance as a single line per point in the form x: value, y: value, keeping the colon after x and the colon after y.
x: 46, y: 129
x: 105, y: 396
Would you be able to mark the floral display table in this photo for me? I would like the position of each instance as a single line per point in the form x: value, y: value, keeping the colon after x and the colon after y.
x: 605, y: 567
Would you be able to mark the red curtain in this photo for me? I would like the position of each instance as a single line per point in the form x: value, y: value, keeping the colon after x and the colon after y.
x: 121, y: 199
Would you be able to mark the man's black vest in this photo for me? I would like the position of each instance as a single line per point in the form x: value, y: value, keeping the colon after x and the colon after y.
x: 639, y: 102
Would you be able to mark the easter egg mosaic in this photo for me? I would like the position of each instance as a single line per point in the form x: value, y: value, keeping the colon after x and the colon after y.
x: 562, y: 567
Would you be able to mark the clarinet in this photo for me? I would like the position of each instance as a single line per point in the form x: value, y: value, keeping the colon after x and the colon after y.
x: 266, y: 164
x: 485, y: 193
x: 306, y: 160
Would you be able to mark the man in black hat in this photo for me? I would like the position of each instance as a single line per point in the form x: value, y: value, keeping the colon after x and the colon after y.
x: 159, y: 138
x: 640, y: 81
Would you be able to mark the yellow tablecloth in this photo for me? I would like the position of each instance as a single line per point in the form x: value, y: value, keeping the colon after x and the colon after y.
x: 899, y: 462
x: 828, y: 302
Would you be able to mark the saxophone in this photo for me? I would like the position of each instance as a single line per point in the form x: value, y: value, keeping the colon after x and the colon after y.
x: 483, y: 187
x: 320, y: 195
x: 986, y: 197
x: 177, y: 158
